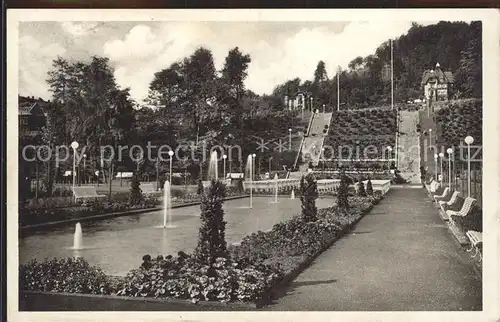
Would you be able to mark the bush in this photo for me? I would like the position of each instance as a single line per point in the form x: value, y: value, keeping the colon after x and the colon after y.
x: 200, y: 189
x: 308, y: 196
x: 73, y: 275
x: 369, y: 187
x: 136, y: 196
x: 212, y: 240
x: 239, y: 186
x: 361, y: 189
x: 343, y: 191
x: 186, y: 278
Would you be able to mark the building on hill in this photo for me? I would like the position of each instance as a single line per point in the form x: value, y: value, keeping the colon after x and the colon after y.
x: 437, y: 84
x: 32, y: 117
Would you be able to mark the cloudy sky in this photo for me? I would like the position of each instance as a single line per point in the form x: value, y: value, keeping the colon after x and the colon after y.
x: 279, y: 51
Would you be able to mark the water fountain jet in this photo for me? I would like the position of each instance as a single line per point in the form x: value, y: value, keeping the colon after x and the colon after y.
x: 275, y: 188
x: 213, y: 167
x: 292, y: 195
x: 78, y: 237
x: 167, y: 202
x: 249, y: 170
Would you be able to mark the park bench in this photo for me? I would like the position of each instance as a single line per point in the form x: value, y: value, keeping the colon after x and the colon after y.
x: 446, y: 193
x: 476, y: 241
x: 435, y: 186
x: 148, y: 189
x: 446, y: 204
x: 467, y: 207
x: 86, y: 193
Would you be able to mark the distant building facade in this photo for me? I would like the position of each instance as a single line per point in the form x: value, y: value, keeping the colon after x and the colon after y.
x: 299, y: 101
x: 437, y: 84
x: 32, y: 117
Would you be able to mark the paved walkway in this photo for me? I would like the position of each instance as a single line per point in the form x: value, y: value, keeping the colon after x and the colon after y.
x: 401, y: 256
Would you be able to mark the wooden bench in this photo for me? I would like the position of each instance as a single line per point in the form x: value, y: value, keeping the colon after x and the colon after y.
x: 467, y: 207
x: 86, y: 192
x: 476, y: 241
x: 446, y: 204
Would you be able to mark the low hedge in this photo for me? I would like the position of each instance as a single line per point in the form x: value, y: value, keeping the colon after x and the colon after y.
x: 42, y: 215
x: 259, y: 262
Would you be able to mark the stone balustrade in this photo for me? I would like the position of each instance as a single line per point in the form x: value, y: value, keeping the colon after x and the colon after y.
x: 324, y: 185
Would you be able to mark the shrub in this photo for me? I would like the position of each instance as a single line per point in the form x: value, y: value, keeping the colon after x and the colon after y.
x: 200, y: 189
x: 361, y: 189
x: 73, y: 275
x: 369, y: 187
x: 187, y: 278
x: 212, y: 241
x: 136, y: 196
x: 343, y: 191
x: 239, y: 186
x: 308, y: 196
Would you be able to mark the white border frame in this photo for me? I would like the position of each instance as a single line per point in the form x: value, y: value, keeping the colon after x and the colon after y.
x: 491, y: 192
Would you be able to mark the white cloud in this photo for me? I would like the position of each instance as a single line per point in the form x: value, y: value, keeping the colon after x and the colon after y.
x: 78, y: 29
x: 35, y: 60
x: 276, y: 55
x: 139, y: 43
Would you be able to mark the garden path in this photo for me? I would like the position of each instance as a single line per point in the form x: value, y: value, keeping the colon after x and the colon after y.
x: 400, y: 256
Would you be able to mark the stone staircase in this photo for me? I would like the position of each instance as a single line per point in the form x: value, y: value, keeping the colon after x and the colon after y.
x: 408, y: 147
x: 311, y: 148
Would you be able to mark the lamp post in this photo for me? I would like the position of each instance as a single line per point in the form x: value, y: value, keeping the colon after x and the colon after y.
x: 430, y: 138
x: 323, y: 158
x: 224, y: 157
x: 323, y: 108
x: 289, y: 139
x: 170, y: 154
x: 449, y: 151
x: 441, y: 155
x: 435, y: 165
x: 251, y: 179
x: 74, y: 145
x: 84, y: 168
x: 468, y: 140
x: 389, y: 154
x: 157, y: 173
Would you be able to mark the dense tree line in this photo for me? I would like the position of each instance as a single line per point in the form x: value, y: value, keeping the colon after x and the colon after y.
x: 456, y: 46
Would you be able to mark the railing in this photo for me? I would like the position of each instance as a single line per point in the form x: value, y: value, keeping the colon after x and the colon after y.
x: 302, y: 142
x: 323, y: 185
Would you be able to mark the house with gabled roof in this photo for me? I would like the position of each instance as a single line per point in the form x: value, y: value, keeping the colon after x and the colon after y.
x: 32, y: 117
x: 298, y: 101
x: 437, y: 84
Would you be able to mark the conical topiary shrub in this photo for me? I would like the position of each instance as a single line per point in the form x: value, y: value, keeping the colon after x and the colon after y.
x: 200, y: 189
x: 343, y: 191
x: 135, y: 196
x: 308, y: 196
x: 361, y: 189
x: 211, y: 236
x: 369, y: 187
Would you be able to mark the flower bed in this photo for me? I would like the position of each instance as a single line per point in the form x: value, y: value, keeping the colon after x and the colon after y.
x: 262, y: 261
x: 43, y: 215
x: 34, y: 216
x: 361, y: 130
